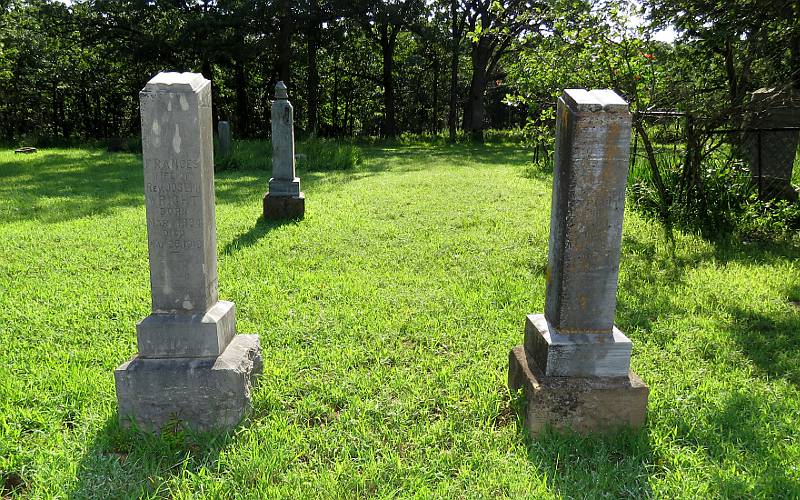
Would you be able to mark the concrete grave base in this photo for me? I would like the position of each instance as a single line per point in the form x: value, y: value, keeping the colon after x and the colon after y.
x: 202, y: 394
x: 580, y: 404
x: 284, y: 207
x: 576, y: 354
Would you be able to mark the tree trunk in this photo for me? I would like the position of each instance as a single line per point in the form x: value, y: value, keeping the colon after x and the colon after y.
x: 242, y: 107
x: 435, y: 117
x: 208, y: 72
x: 474, y: 110
x: 335, y: 100
x: 452, y: 114
x: 389, y: 119
x: 665, y: 200
x: 283, y: 62
x: 313, y: 35
x: 794, y: 61
x: 348, y: 122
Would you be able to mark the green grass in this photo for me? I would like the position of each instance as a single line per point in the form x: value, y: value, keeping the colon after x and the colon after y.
x: 386, y: 317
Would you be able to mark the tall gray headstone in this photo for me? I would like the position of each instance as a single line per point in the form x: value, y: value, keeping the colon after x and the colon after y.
x: 191, y: 365
x: 224, y: 134
x: 284, y: 200
x: 575, y: 339
x: 775, y: 116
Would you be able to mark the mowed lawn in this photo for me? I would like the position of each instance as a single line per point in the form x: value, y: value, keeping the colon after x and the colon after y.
x: 386, y: 318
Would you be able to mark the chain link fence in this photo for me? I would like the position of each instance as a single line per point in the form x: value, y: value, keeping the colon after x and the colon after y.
x: 766, y: 157
x: 771, y: 155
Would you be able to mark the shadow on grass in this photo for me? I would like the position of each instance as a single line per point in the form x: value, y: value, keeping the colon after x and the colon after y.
x: 127, y: 464
x: 614, y: 465
x: 255, y: 233
x: 649, y: 288
x: 743, y: 438
x: 57, y: 187
x: 771, y: 342
x: 735, y: 428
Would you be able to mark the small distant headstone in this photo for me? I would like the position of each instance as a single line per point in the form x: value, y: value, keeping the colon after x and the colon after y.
x: 772, y: 150
x: 25, y: 151
x: 191, y: 366
x: 575, y: 364
x: 224, y: 133
x: 284, y: 200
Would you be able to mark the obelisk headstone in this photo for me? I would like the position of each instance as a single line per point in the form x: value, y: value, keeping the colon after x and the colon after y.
x: 284, y: 200
x: 191, y: 366
x: 575, y: 364
x: 224, y: 134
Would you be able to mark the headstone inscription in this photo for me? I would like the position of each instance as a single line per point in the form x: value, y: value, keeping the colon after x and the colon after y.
x: 284, y: 200
x: 191, y: 366
x: 575, y: 364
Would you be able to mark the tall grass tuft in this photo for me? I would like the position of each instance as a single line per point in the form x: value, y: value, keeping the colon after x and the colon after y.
x: 312, y: 154
x: 317, y: 154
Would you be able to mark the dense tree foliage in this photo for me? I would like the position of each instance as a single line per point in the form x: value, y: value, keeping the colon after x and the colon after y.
x: 370, y: 67
x: 354, y: 68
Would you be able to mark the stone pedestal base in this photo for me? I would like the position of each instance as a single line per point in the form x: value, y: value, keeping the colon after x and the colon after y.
x: 576, y: 354
x: 284, y: 207
x: 203, y: 394
x: 187, y: 335
x: 581, y: 404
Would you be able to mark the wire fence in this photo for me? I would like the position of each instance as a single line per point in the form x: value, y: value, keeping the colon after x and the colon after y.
x: 765, y: 157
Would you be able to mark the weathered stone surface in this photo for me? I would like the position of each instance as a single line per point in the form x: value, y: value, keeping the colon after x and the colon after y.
x: 579, y: 404
x: 179, y: 192
x: 575, y: 364
x: 280, y: 187
x: 187, y: 335
x: 593, y: 134
x: 587, y: 355
x: 284, y: 207
x: 191, y: 367
x: 282, y: 135
x: 224, y: 134
x: 284, y: 199
x: 203, y: 394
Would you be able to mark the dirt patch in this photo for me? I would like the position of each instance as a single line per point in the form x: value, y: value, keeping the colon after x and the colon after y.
x: 12, y: 483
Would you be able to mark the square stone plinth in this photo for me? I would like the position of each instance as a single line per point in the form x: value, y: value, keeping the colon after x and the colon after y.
x: 581, y: 404
x: 283, y: 187
x: 284, y: 207
x: 203, y: 394
x: 576, y: 354
x: 184, y: 335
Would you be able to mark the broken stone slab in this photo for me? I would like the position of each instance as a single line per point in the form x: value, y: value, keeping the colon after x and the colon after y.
x: 203, y: 394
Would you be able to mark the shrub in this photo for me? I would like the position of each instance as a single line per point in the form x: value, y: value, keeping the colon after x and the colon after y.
x: 310, y: 155
x: 316, y: 154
